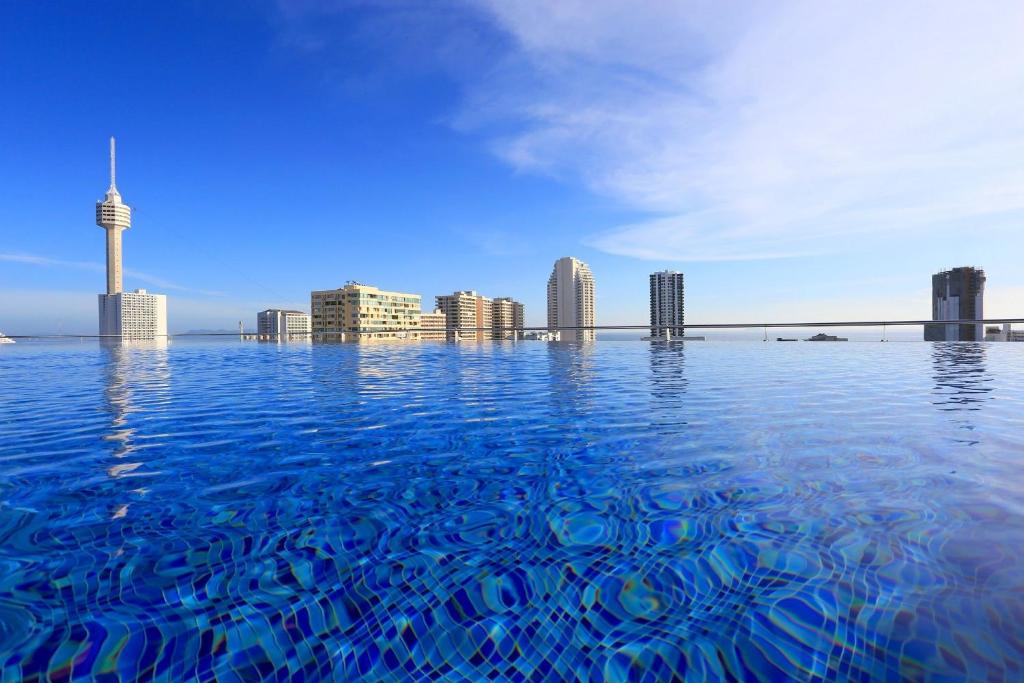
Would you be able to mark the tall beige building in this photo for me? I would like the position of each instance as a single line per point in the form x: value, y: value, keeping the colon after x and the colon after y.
x: 360, y: 312
x: 434, y: 326
x: 507, y: 318
x: 571, y: 299
x: 468, y: 315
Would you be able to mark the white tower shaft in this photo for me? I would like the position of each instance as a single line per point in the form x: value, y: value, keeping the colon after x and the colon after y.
x: 115, y: 282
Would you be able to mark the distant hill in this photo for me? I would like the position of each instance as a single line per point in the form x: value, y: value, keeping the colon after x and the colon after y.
x: 209, y: 332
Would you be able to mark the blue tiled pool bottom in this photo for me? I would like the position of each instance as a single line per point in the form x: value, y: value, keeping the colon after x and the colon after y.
x: 531, y: 512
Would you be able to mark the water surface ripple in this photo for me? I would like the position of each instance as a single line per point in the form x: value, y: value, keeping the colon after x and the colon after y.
x: 528, y: 512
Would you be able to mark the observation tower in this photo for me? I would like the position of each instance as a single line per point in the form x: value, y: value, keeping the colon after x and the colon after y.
x: 114, y: 216
x: 124, y: 315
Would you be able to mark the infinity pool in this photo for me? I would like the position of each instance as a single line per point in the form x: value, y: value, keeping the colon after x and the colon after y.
x: 618, y: 511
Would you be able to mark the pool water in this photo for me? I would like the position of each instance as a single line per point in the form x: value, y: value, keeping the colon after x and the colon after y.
x: 239, y: 511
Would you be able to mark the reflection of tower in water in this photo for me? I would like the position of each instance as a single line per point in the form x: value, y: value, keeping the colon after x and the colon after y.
x: 571, y: 373
x: 132, y: 368
x: 668, y: 371
x: 668, y: 384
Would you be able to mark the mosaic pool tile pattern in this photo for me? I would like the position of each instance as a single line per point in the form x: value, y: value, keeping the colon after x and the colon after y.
x: 535, y: 512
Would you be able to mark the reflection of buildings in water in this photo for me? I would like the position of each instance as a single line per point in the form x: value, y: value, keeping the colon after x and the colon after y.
x: 571, y: 375
x: 668, y: 370
x: 668, y: 383
x: 962, y: 382
x: 343, y: 375
x: 282, y: 340
x: 131, y: 366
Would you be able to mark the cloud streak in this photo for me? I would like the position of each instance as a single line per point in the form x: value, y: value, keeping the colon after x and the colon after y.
x: 36, y: 260
x: 748, y: 131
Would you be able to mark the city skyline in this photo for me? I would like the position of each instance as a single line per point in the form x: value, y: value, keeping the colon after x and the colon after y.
x: 353, y: 142
x: 360, y: 311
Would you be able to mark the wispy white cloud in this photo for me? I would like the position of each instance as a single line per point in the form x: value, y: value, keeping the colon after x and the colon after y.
x: 764, y: 130
x: 43, y: 311
x: 494, y: 241
x: 156, y: 281
x: 35, y: 260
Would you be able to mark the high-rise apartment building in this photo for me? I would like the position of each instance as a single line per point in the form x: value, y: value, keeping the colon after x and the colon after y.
x: 957, y: 294
x: 434, y: 326
x: 278, y: 323
x: 133, y: 315
x: 124, y: 315
x: 508, y: 317
x: 667, y: 303
x: 467, y: 315
x: 571, y: 299
x: 360, y: 312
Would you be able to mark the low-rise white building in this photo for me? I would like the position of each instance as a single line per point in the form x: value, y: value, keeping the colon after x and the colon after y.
x: 541, y: 336
x: 1004, y: 333
x: 276, y: 323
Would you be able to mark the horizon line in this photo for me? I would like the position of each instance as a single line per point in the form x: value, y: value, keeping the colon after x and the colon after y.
x: 559, y: 328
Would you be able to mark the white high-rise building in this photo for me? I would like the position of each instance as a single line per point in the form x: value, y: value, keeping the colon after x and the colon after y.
x: 282, y: 324
x: 667, y: 303
x: 127, y: 315
x: 571, y: 299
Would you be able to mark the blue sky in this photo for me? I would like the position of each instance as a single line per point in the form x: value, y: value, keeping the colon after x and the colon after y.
x: 795, y: 160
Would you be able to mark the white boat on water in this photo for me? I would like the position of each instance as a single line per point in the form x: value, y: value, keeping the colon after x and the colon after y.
x: 4, y: 339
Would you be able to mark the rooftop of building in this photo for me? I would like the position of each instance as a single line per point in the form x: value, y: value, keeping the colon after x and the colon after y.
x: 358, y: 286
x: 959, y: 269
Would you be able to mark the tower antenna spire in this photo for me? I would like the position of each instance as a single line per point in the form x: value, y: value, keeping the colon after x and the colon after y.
x: 113, y: 164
